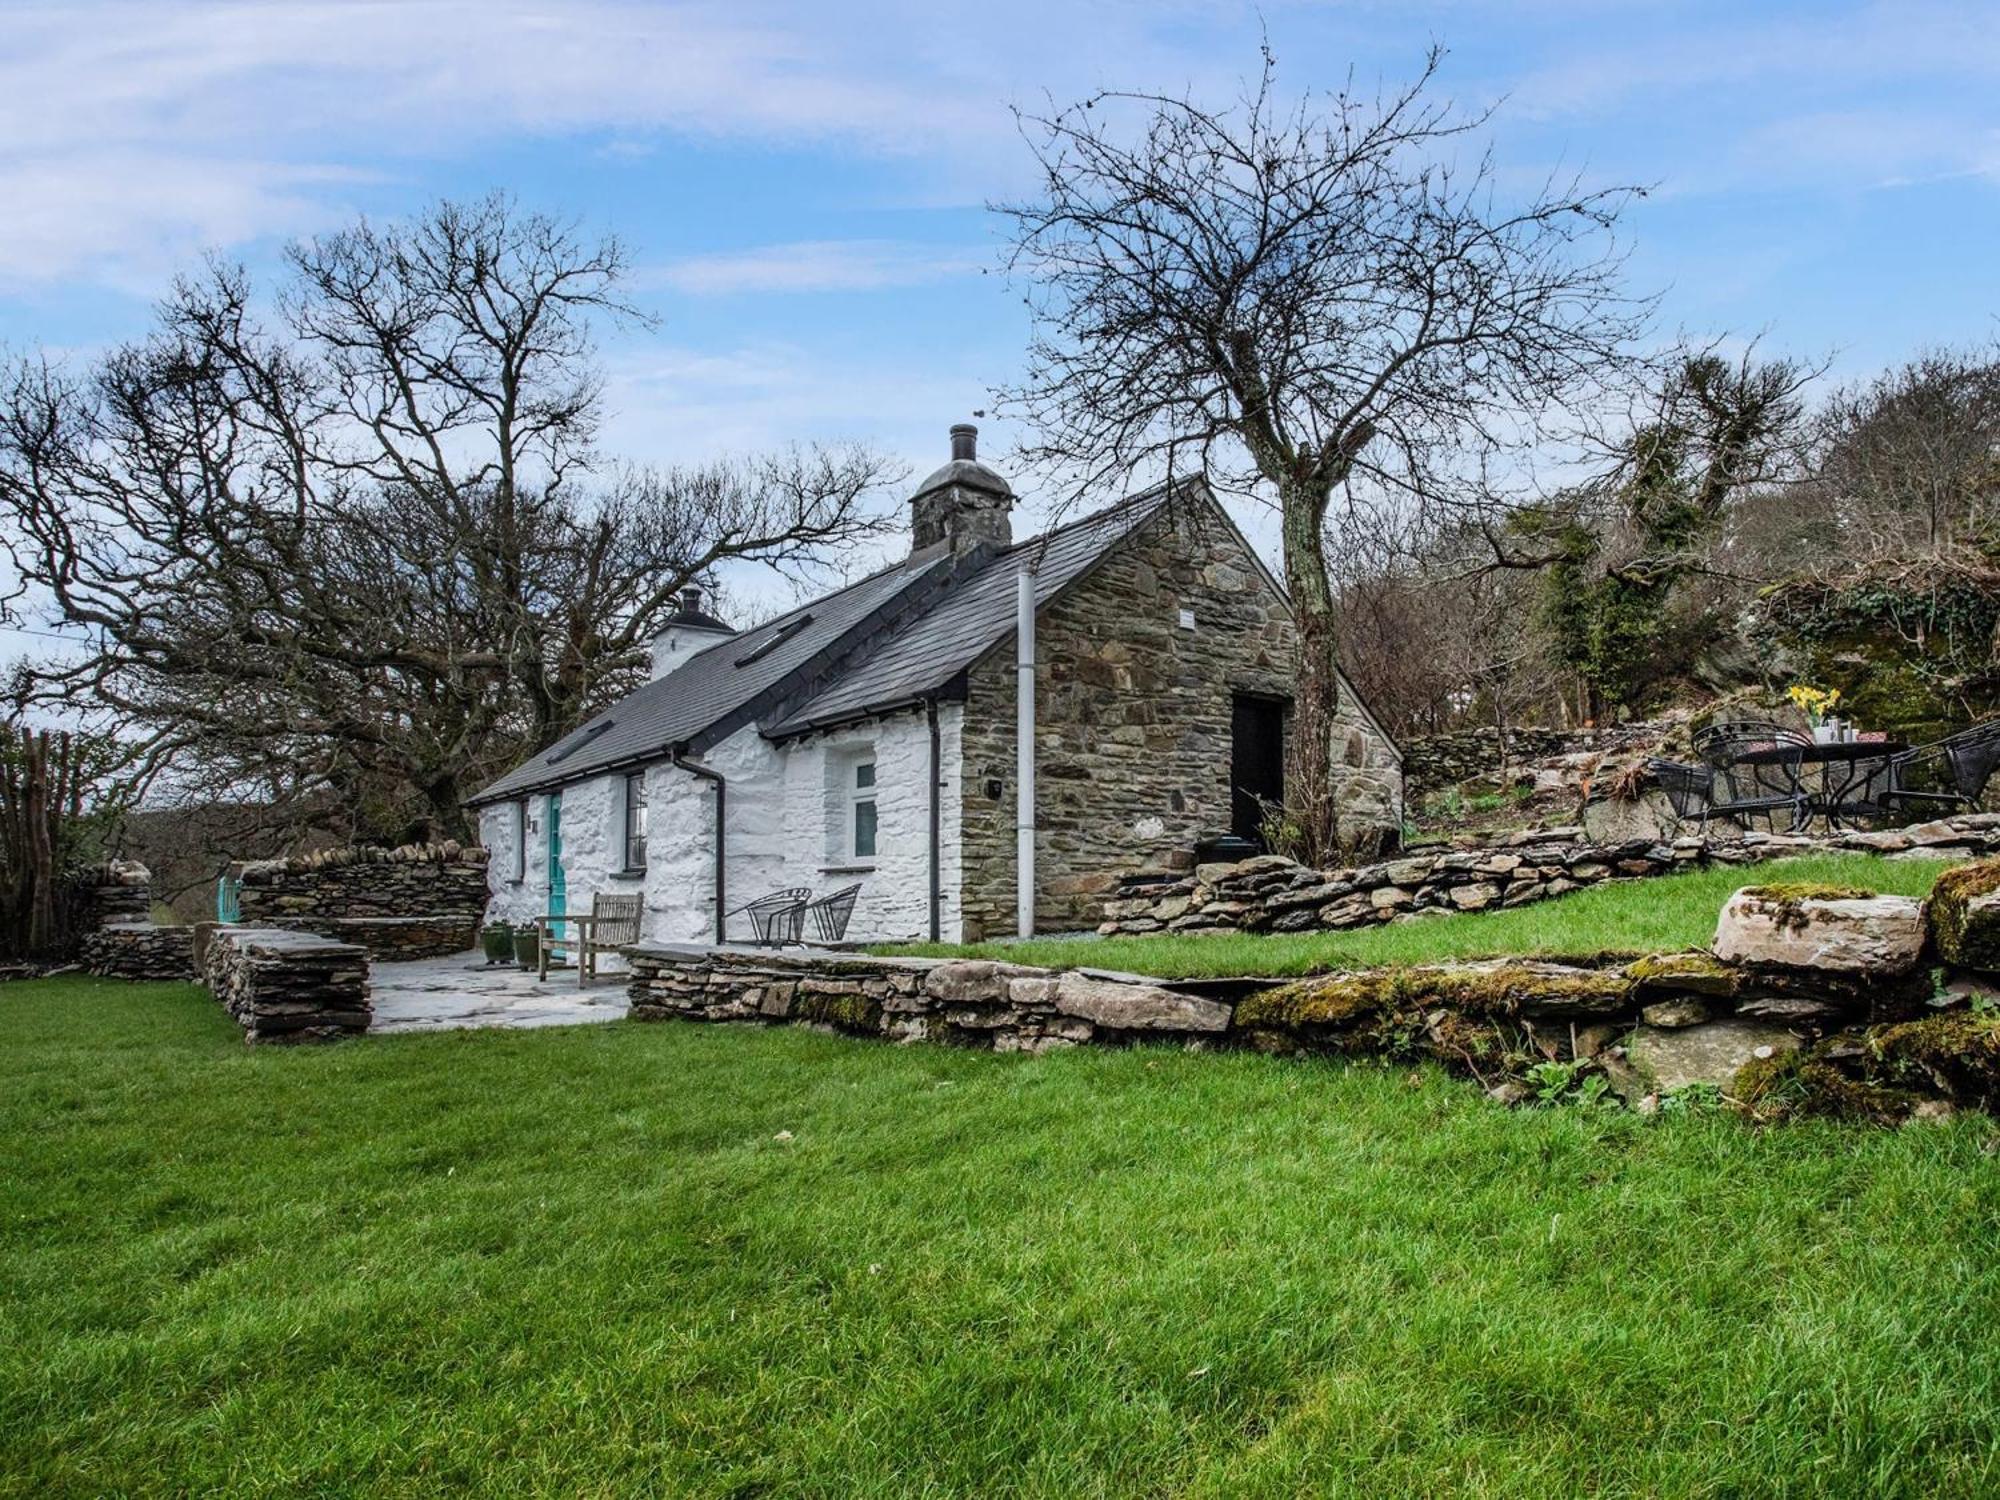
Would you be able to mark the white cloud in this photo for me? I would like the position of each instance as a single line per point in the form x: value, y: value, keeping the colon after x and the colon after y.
x: 229, y: 93
x: 813, y: 266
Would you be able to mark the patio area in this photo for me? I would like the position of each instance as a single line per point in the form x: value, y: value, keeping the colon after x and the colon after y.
x: 442, y: 994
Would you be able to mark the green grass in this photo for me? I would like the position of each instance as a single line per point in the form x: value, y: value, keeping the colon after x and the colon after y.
x: 582, y: 1262
x: 1635, y: 916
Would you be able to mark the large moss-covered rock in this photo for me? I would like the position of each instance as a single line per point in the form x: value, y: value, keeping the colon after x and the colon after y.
x: 1964, y: 913
x: 1836, y: 929
x: 1810, y: 1082
x: 1957, y: 1053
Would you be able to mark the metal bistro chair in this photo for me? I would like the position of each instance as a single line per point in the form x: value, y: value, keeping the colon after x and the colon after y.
x: 779, y: 918
x: 1690, y: 791
x: 831, y: 912
x: 1951, y: 772
x: 1772, y: 783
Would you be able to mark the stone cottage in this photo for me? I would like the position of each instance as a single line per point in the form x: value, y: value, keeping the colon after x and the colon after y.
x: 872, y: 737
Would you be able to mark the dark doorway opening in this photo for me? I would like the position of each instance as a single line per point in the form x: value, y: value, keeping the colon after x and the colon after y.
x: 1256, y: 762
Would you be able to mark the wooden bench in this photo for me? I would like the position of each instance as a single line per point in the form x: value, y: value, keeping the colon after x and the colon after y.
x: 613, y: 923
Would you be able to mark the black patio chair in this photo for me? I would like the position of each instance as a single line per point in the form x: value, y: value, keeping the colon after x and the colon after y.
x: 779, y: 918
x: 1951, y: 772
x: 1690, y: 790
x: 831, y: 912
x: 1771, y: 783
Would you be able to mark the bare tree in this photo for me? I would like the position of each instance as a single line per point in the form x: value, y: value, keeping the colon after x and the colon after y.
x: 1910, y: 462
x: 361, y: 559
x: 1296, y: 299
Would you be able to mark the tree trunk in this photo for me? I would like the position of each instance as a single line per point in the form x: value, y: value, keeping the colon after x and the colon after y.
x: 1309, y: 789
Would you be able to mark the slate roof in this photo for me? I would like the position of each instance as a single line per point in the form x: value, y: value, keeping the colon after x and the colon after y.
x: 892, y: 639
x: 967, y: 619
x: 711, y: 686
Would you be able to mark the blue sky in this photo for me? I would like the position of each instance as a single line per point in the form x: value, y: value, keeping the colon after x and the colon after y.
x: 801, y: 186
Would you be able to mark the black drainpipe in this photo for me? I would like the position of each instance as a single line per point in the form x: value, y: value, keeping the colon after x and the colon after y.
x: 709, y: 773
x: 937, y: 772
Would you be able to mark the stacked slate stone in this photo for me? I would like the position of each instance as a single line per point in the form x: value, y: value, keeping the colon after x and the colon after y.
x: 1273, y: 894
x: 285, y: 986
x: 139, y: 950
x: 968, y: 1002
x: 417, y: 901
x: 121, y: 892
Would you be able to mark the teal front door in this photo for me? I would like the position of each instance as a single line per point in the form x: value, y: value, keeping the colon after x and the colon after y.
x: 558, y: 885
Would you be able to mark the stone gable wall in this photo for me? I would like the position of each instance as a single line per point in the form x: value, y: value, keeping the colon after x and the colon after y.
x: 1133, y: 723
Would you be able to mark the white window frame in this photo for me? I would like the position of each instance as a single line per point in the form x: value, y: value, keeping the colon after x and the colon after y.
x: 635, y: 779
x: 857, y: 794
x: 520, y: 841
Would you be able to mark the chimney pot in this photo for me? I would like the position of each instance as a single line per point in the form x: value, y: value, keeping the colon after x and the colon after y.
x: 691, y: 598
x: 964, y: 441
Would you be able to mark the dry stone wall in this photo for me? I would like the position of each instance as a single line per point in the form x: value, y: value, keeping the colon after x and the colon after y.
x: 1812, y: 1000
x: 1271, y: 894
x: 1433, y: 762
x: 419, y: 901
x: 283, y: 986
x: 139, y: 950
x: 1007, y: 1007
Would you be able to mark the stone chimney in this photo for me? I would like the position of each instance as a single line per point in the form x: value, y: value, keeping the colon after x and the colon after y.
x: 690, y: 630
x: 964, y: 503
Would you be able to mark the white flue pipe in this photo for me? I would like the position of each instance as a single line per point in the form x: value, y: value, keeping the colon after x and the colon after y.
x: 1024, y: 753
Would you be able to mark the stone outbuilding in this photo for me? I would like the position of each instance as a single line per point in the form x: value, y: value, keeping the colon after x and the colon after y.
x: 873, y: 736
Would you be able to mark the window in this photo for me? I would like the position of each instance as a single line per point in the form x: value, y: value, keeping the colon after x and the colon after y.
x: 773, y: 641
x: 569, y: 747
x: 520, y: 841
x: 635, y: 821
x: 861, y: 818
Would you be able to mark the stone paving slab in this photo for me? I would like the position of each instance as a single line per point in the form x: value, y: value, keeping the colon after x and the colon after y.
x: 443, y: 994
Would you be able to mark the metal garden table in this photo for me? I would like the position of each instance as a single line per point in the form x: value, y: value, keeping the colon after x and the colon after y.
x: 1845, y: 768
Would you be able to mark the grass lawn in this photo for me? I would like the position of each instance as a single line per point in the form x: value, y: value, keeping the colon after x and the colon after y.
x: 1631, y: 916
x: 588, y: 1262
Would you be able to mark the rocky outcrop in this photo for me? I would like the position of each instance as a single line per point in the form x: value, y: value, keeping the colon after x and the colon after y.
x: 1271, y: 894
x: 1544, y: 759
x: 284, y: 986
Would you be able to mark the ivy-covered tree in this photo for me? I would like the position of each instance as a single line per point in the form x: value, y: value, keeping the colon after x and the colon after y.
x: 1619, y: 551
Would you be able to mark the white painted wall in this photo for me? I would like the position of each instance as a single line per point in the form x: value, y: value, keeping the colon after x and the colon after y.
x: 510, y: 900
x: 593, y: 850
x: 788, y: 820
